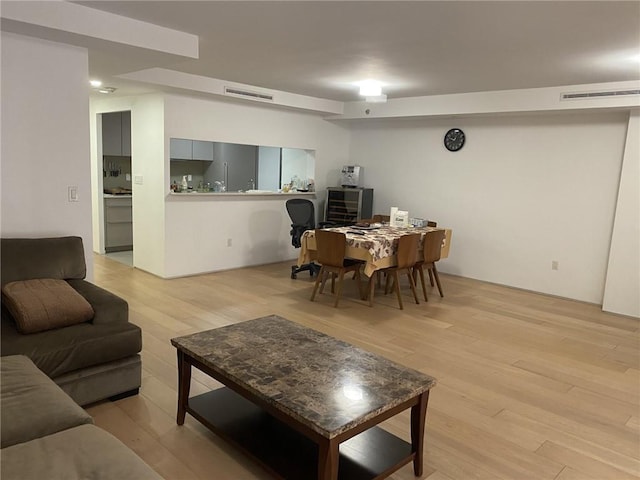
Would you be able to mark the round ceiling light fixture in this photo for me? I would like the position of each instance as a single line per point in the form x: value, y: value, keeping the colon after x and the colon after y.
x: 370, y: 88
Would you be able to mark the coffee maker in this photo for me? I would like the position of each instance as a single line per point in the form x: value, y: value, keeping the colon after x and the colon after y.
x: 351, y: 176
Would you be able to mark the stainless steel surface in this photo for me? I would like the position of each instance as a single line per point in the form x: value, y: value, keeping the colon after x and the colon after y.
x: 351, y: 176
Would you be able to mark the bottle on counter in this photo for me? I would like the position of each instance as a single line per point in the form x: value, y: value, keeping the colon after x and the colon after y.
x: 185, y: 184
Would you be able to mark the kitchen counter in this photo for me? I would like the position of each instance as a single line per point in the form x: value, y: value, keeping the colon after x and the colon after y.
x: 238, y: 194
x: 110, y: 195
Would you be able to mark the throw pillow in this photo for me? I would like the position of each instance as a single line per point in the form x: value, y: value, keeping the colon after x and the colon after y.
x: 43, y: 304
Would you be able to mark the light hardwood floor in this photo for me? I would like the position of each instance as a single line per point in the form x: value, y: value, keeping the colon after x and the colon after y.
x: 529, y: 386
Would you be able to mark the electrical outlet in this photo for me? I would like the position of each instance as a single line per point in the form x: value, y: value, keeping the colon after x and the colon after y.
x: 189, y: 178
x: 127, y: 177
x: 229, y: 242
x: 138, y: 179
x: 554, y: 265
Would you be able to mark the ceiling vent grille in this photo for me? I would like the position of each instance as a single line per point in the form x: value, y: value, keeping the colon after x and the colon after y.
x: 248, y: 94
x: 590, y: 95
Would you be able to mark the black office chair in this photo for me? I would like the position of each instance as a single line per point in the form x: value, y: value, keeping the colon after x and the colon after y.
x: 303, y: 218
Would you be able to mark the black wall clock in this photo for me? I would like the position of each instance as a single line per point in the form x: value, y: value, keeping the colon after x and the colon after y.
x: 454, y: 139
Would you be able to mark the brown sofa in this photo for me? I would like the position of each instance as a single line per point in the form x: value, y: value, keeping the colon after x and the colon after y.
x: 90, y: 361
x: 45, y: 435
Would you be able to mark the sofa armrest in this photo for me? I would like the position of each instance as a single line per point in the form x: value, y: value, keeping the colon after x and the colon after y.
x: 108, y: 308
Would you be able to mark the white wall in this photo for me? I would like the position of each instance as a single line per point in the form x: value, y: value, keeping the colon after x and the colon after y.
x: 147, y: 166
x: 622, y: 292
x: 197, y: 228
x: 45, y: 140
x: 148, y: 163
x: 523, y: 192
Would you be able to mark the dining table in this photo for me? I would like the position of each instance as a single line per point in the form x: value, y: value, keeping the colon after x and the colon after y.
x: 375, y: 245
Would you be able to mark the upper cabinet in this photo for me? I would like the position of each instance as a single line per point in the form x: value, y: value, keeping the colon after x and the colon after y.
x: 181, y: 149
x: 184, y: 149
x: 126, y: 134
x: 202, y: 150
x: 116, y: 134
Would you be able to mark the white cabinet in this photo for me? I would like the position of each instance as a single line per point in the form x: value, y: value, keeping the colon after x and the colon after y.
x: 116, y: 134
x: 118, y: 224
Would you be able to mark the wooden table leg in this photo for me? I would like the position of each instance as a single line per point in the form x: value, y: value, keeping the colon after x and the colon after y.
x: 328, y: 455
x: 184, y: 385
x: 418, y: 418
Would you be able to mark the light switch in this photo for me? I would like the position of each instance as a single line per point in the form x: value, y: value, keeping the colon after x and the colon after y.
x: 73, y: 194
x: 138, y: 179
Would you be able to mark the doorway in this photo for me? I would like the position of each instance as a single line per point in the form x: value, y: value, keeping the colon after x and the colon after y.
x: 117, y: 192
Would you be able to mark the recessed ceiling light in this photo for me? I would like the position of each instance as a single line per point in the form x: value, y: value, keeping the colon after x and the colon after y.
x: 95, y: 83
x: 370, y: 88
x: 107, y: 90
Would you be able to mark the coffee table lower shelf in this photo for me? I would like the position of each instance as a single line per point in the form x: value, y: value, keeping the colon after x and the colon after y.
x: 286, y: 453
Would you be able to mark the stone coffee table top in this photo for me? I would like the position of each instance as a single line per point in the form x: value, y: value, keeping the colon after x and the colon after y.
x: 326, y: 384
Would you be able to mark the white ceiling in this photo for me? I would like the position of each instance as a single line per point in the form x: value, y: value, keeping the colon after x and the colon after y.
x: 320, y: 48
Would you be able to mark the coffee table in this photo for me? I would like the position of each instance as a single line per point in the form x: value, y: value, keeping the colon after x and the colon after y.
x: 303, y: 404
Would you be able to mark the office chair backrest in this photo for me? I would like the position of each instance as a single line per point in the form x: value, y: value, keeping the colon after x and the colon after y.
x: 303, y: 218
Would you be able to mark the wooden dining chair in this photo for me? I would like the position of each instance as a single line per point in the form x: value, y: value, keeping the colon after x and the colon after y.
x: 378, y: 218
x: 407, y: 255
x: 331, y: 247
x: 431, y: 249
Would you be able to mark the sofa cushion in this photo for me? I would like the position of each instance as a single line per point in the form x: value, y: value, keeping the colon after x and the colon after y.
x: 84, y: 452
x: 64, y: 350
x: 44, y: 303
x: 31, y: 405
x: 25, y: 258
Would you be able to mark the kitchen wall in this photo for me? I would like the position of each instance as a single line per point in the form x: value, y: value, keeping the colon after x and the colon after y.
x: 198, y: 230
x: 269, y: 168
x: 524, y: 191
x: 45, y: 140
x: 115, y: 171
